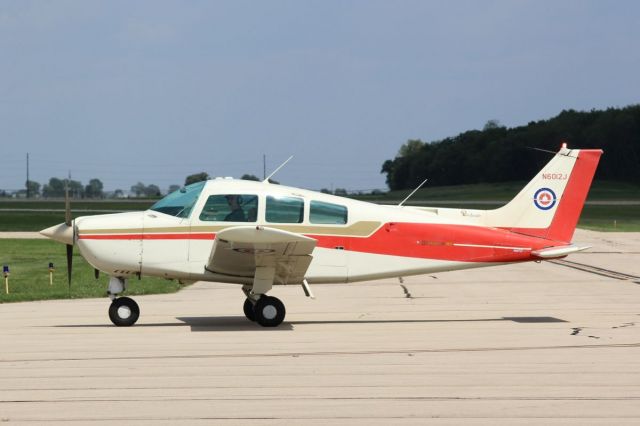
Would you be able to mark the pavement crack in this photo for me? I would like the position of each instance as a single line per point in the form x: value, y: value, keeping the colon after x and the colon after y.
x: 407, y: 294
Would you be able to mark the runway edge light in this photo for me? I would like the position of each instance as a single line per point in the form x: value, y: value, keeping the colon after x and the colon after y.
x: 5, y: 273
x: 51, y: 270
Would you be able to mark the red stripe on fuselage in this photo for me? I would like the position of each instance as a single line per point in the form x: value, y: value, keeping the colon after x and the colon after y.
x: 442, y: 242
x: 415, y: 240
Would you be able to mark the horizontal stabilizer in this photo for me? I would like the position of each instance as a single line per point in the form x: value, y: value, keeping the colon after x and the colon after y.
x: 559, y: 251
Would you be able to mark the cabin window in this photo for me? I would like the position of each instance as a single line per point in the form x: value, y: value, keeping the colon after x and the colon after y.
x: 285, y: 209
x: 230, y: 208
x: 327, y: 213
x: 179, y: 203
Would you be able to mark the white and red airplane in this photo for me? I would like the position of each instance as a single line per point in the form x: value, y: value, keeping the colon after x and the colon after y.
x: 258, y: 235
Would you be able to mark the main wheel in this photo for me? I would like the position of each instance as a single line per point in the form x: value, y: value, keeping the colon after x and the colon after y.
x: 269, y: 311
x: 248, y: 310
x: 124, y: 312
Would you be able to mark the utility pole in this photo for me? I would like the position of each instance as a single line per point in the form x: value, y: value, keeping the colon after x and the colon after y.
x: 28, y: 191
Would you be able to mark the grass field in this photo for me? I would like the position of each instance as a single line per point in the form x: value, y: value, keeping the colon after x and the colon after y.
x: 29, y: 279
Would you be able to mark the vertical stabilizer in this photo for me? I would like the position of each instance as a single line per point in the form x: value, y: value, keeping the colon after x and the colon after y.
x: 549, y: 206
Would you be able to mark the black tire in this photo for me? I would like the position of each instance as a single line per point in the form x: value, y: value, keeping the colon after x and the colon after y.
x: 269, y: 311
x: 248, y: 310
x: 124, y: 312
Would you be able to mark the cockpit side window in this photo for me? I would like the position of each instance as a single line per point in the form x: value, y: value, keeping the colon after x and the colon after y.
x: 230, y: 208
x: 285, y: 209
x: 179, y: 203
x: 327, y: 213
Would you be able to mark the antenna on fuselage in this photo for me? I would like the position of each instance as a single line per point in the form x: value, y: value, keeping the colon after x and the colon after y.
x: 413, y: 192
x: 276, y: 170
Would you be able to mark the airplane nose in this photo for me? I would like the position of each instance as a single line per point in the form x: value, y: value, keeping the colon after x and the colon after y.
x: 62, y: 233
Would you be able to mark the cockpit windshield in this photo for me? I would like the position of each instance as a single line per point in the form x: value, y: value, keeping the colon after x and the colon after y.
x: 179, y: 203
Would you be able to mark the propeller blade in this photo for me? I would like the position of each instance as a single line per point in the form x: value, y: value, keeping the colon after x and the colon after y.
x: 67, y: 206
x: 69, y: 264
x: 68, y: 222
x: 96, y: 272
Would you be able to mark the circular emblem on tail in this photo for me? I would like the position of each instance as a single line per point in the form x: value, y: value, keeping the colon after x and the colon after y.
x: 544, y: 199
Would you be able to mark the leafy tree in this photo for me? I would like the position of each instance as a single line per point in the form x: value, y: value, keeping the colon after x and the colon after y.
x: 197, y: 177
x: 33, y: 188
x: 76, y: 190
x: 55, y: 188
x: 94, y: 189
x: 152, y: 191
x: 498, y: 154
x: 173, y: 188
x: 491, y: 124
x: 341, y: 192
x: 325, y: 191
x: 250, y: 177
x: 138, y: 189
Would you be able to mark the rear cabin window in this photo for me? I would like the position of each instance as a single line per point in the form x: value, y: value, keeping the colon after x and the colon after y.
x: 285, y: 209
x: 230, y: 208
x: 327, y: 213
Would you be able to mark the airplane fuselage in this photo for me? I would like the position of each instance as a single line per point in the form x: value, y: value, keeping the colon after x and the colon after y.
x: 374, y: 242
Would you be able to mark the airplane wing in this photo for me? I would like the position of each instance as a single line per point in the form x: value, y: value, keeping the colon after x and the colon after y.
x: 250, y: 251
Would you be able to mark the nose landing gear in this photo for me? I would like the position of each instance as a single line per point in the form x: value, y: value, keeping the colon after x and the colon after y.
x: 124, y: 312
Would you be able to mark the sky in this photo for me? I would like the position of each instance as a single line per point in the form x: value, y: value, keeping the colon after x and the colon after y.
x: 152, y: 91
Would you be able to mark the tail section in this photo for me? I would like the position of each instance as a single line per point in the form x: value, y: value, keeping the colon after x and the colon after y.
x: 549, y: 206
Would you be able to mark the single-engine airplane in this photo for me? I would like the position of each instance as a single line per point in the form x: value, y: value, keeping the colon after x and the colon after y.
x: 257, y: 235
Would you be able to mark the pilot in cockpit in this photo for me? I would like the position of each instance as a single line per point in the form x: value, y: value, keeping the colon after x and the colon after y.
x: 236, y: 214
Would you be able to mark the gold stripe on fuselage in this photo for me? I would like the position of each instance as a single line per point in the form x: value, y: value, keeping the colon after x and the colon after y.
x: 358, y: 229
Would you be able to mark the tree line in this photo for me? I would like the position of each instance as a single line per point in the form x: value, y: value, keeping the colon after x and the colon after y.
x: 57, y: 187
x: 500, y: 154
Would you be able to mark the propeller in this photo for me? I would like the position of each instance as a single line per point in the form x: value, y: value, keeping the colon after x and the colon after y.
x: 69, y: 223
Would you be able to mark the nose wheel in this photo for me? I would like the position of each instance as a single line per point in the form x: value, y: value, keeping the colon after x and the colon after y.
x: 124, y: 312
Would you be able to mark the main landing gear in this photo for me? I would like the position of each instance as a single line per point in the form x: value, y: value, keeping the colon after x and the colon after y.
x: 124, y: 311
x: 268, y: 311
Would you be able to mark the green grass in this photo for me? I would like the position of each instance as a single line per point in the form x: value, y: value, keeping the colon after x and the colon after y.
x: 29, y: 279
x: 622, y: 218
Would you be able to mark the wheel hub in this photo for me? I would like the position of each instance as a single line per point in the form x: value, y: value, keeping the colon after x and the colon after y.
x: 124, y: 312
x: 269, y: 312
